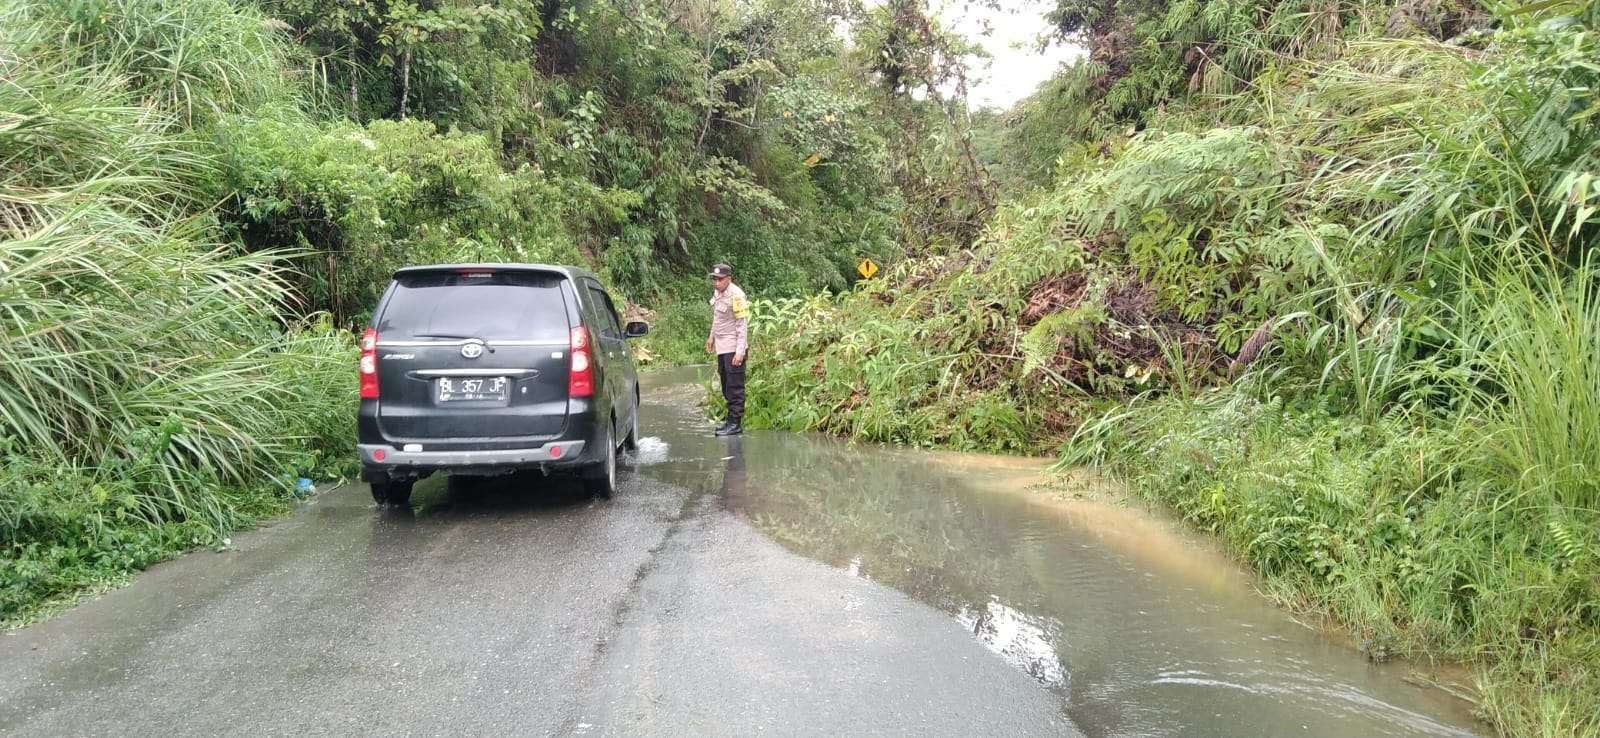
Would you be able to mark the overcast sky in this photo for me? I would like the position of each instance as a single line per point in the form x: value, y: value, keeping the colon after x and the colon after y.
x: 1017, y: 67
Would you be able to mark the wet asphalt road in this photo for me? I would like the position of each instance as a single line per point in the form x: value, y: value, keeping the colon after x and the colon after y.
x: 515, y: 607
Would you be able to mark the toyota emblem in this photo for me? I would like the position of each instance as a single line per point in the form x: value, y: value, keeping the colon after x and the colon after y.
x: 472, y: 350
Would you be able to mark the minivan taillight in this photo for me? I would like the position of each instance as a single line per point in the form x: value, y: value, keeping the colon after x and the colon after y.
x: 580, y: 380
x: 369, y: 364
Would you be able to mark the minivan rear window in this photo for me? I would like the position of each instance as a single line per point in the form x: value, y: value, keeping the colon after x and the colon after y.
x: 491, y: 305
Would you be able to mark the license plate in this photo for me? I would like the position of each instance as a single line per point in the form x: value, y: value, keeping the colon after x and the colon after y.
x: 472, y: 389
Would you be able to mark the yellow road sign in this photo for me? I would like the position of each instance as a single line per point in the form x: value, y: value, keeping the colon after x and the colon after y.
x: 867, y: 268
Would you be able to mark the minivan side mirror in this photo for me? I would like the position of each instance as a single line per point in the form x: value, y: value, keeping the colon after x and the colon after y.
x: 635, y: 329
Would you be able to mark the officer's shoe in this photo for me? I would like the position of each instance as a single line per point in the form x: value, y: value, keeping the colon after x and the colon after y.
x: 722, y: 429
x: 730, y: 429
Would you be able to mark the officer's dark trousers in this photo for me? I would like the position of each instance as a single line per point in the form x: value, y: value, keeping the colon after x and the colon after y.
x: 733, y: 385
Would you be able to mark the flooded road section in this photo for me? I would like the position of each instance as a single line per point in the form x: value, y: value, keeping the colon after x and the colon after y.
x: 772, y: 584
x: 1139, y: 628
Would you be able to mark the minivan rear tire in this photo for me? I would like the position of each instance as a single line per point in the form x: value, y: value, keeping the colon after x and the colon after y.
x: 393, y: 492
x: 600, y: 479
x: 631, y: 443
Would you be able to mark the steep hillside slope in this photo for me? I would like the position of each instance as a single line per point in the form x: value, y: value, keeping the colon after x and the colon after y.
x: 1339, y: 310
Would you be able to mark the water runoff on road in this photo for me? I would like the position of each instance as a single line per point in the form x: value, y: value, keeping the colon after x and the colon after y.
x: 1139, y: 627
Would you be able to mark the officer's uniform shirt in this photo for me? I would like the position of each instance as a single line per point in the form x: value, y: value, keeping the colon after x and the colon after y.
x: 730, y: 320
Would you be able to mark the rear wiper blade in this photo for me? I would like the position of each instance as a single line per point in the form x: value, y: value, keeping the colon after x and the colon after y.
x: 455, y: 336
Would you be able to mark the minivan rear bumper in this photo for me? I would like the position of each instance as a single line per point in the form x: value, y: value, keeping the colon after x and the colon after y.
x: 395, y: 459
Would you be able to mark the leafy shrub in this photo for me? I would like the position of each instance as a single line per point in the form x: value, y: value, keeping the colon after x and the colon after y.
x: 366, y: 200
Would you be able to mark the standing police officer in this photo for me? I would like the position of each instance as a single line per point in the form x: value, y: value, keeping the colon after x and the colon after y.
x: 729, y: 340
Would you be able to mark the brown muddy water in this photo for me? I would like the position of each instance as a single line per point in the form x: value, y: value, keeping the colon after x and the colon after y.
x: 1139, y: 627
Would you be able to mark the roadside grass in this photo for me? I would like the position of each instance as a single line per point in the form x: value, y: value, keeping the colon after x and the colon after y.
x: 154, y: 394
x: 1466, y: 532
x: 1541, y: 339
x: 45, y: 574
x: 76, y: 526
x: 1396, y: 528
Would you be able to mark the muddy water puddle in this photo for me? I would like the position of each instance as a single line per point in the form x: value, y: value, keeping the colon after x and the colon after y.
x: 1140, y: 628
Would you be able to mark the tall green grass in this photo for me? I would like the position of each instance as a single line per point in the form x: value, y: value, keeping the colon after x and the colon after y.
x: 193, y: 59
x: 151, y: 395
x: 1539, y: 347
x: 1466, y: 533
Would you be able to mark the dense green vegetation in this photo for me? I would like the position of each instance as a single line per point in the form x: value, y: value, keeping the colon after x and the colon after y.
x: 1318, y: 276
x: 152, y: 392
